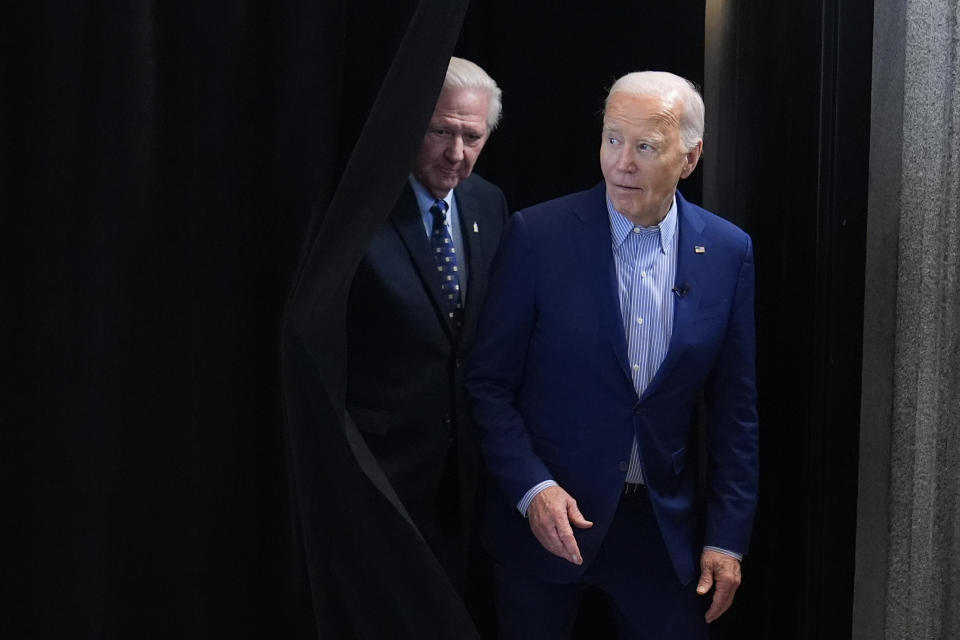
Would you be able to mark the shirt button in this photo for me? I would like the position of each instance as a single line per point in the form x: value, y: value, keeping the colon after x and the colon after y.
x: 643, y: 274
x: 636, y: 367
x: 639, y: 320
x: 636, y: 229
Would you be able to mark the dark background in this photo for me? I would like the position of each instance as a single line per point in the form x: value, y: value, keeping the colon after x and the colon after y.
x: 555, y: 63
x: 162, y: 168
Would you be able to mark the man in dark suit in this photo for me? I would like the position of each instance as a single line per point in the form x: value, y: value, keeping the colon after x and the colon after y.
x: 609, y: 313
x: 411, y: 316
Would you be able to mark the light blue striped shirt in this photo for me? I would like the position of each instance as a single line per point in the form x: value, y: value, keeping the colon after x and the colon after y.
x: 646, y: 264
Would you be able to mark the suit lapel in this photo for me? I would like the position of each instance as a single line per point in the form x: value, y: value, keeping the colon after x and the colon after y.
x: 598, y: 264
x: 409, y: 224
x: 691, y: 267
x: 470, y: 229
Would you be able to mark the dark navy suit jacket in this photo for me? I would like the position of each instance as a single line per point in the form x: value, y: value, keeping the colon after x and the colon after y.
x: 553, y: 396
x: 404, y: 382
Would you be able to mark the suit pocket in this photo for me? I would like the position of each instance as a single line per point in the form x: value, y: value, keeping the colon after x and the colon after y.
x: 679, y: 459
x: 375, y: 421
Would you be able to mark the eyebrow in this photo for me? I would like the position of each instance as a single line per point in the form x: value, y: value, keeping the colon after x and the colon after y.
x: 655, y: 136
x: 652, y: 136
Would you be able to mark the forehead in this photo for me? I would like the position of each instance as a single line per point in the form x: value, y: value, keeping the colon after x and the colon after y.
x: 467, y: 105
x: 650, y: 112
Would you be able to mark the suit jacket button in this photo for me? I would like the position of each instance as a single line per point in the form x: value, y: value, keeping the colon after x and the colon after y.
x: 624, y: 465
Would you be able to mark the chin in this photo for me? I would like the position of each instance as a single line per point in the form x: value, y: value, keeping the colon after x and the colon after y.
x: 448, y: 182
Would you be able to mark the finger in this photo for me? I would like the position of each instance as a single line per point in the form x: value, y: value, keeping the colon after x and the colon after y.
x: 576, y: 518
x: 722, y: 599
x: 706, y: 580
x: 570, y: 549
x: 726, y: 587
x: 546, y: 534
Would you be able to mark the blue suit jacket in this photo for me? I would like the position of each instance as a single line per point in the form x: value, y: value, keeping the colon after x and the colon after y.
x: 553, y: 397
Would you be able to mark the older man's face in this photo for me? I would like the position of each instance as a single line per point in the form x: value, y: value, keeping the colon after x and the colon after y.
x: 454, y: 139
x: 642, y: 156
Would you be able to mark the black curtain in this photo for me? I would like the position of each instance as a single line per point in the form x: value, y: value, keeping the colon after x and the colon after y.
x: 163, y: 166
x: 797, y: 167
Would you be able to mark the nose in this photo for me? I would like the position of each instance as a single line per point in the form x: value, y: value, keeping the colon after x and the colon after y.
x: 454, y: 150
x: 625, y: 161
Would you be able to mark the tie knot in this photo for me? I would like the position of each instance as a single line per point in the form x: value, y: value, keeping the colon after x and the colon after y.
x: 439, y: 210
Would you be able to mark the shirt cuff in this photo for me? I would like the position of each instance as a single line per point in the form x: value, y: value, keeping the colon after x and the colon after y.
x: 738, y: 556
x: 528, y: 497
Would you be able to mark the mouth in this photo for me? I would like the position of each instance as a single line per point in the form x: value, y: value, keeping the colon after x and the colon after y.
x: 624, y: 187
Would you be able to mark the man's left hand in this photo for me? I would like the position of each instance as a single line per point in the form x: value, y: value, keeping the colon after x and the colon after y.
x: 722, y: 572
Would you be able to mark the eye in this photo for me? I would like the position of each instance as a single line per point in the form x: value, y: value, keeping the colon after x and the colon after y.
x: 643, y: 146
x: 613, y: 140
x: 440, y: 132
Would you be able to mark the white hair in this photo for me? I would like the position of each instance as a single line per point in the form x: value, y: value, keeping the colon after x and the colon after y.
x: 463, y: 74
x: 671, y: 89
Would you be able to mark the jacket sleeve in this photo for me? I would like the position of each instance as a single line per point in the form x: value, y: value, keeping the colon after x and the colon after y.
x: 732, y: 434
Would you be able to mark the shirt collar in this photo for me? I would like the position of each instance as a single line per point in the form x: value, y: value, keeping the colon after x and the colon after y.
x: 621, y: 227
x: 426, y: 199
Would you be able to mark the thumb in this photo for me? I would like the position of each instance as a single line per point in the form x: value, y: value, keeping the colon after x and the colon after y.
x: 576, y: 518
x: 706, y: 581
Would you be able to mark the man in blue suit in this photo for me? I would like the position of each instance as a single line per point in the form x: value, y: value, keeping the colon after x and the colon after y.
x: 609, y: 313
x: 411, y: 315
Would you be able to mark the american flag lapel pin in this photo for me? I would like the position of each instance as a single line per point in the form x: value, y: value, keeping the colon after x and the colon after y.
x: 476, y: 229
x: 698, y: 249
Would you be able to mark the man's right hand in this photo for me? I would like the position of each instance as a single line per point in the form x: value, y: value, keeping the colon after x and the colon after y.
x: 551, y: 513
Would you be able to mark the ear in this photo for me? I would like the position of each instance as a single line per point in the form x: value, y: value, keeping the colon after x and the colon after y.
x: 691, y: 158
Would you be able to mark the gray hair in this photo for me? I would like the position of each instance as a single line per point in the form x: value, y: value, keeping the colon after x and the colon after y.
x: 672, y: 89
x: 463, y: 74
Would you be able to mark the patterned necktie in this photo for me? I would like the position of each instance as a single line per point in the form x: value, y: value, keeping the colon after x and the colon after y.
x: 445, y: 257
